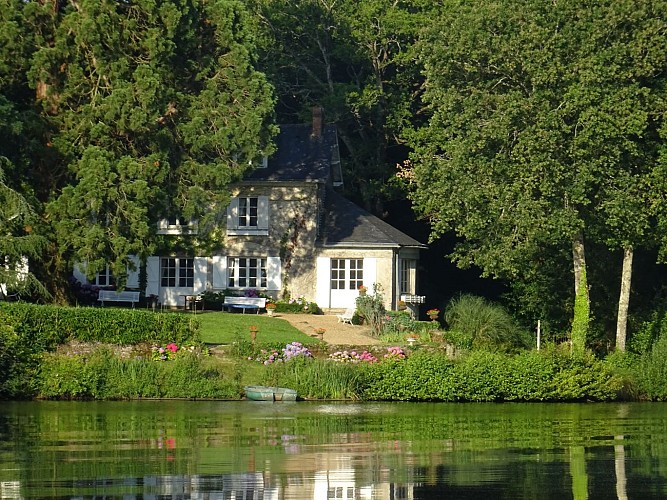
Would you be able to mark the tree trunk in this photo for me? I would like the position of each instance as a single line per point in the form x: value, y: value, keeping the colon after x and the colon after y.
x: 624, y: 299
x: 581, y: 299
x: 579, y: 261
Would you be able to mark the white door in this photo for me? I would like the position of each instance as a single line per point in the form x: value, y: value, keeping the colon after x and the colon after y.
x: 346, y: 276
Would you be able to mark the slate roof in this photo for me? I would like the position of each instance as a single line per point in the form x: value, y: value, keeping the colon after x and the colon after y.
x: 301, y: 157
x: 347, y: 224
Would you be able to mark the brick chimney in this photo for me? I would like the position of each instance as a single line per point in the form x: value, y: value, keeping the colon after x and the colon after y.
x: 318, y: 122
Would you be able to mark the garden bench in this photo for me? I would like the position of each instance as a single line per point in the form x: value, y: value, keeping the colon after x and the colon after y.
x: 244, y: 303
x: 114, y: 296
x: 347, y: 316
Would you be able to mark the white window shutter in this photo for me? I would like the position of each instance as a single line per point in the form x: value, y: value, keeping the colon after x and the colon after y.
x: 201, y: 266
x: 233, y: 214
x: 262, y: 212
x: 79, y: 272
x: 273, y: 271
x: 219, y: 271
x: 370, y: 272
x: 323, y: 290
x: 133, y: 276
x: 153, y: 276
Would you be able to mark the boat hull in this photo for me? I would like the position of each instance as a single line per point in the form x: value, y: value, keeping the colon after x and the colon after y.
x: 262, y: 393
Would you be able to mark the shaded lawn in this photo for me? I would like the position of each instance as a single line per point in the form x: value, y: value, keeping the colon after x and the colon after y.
x: 225, y: 328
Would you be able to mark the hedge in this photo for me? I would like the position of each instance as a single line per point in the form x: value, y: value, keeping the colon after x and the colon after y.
x: 47, y: 326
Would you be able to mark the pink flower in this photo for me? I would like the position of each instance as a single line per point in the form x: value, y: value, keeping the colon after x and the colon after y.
x: 172, y: 347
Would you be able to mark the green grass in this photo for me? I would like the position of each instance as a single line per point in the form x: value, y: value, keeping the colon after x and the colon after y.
x: 225, y: 328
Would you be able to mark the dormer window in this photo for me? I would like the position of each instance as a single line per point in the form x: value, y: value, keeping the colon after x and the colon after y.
x: 176, y: 226
x: 260, y: 162
x: 248, y: 215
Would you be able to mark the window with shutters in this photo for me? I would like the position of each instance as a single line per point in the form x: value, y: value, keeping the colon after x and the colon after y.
x: 177, y: 272
x: 104, y: 277
x: 246, y: 272
x: 248, y: 215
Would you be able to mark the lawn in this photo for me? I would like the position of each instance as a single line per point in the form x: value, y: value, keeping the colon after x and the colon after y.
x: 225, y: 328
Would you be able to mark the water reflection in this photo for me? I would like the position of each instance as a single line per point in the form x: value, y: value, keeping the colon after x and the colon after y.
x: 248, y: 450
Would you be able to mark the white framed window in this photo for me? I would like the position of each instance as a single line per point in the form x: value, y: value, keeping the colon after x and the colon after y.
x: 104, y: 277
x: 248, y: 215
x: 246, y: 272
x: 247, y: 212
x: 177, y: 272
x: 347, y: 274
x: 175, y: 225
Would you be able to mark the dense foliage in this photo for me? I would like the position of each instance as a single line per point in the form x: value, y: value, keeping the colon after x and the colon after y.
x: 44, y: 327
x: 146, y: 110
x: 544, y: 135
x: 528, y: 131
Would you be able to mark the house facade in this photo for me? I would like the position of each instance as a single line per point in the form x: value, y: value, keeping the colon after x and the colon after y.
x: 289, y: 233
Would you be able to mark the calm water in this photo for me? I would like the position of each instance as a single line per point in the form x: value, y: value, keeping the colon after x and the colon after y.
x: 253, y: 450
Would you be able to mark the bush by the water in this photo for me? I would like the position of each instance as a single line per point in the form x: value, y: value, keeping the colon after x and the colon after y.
x: 474, y: 322
x: 551, y: 375
x: 103, y: 375
x: 28, y: 331
x: 652, y: 371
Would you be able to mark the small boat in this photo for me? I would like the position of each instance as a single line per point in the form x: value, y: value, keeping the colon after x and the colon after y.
x: 263, y: 393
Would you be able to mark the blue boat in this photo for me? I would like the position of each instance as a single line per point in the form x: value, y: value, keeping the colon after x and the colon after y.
x: 263, y: 393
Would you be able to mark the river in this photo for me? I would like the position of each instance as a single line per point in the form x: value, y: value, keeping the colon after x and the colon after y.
x: 315, y: 450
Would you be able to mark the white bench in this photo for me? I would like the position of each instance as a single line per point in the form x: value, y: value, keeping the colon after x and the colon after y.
x: 244, y: 303
x: 114, y: 296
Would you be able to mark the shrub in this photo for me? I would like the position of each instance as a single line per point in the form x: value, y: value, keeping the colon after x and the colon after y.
x: 650, y: 330
x: 487, y: 325
x: 214, y: 300
x: 371, y: 308
x: 398, y: 322
x: 460, y: 340
x: 422, y: 377
x: 297, y: 306
x: 352, y: 357
x: 652, y: 371
x: 288, y: 353
x: 102, y: 375
x: 48, y: 326
x: 322, y: 379
x: 19, y: 363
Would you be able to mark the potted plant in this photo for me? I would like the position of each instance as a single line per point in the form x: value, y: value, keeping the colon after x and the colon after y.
x: 412, y: 338
x: 270, y: 308
x: 433, y: 313
x: 362, y: 290
x: 320, y: 333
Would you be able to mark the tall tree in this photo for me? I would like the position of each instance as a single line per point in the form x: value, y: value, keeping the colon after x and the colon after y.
x: 18, y: 244
x: 155, y: 108
x: 534, y: 108
x: 355, y: 59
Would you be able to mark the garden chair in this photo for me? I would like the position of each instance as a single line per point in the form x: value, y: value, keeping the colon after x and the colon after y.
x: 347, y: 316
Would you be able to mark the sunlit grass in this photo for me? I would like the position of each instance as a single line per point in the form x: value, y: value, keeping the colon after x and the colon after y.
x: 225, y: 328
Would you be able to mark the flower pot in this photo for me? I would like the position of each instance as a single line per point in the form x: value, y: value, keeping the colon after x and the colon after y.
x: 270, y: 312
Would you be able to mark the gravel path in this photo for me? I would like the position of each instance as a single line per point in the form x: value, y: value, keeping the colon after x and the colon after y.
x: 335, y: 332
